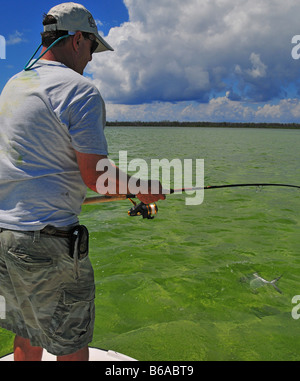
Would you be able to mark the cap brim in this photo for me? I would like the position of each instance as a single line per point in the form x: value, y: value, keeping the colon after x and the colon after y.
x: 102, y: 44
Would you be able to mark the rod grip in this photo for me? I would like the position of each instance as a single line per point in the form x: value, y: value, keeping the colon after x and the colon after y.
x: 101, y: 199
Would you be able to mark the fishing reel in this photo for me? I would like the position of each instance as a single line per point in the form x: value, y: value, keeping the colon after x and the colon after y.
x: 145, y: 210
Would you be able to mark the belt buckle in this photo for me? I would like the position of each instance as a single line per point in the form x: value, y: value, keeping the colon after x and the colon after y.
x: 49, y: 229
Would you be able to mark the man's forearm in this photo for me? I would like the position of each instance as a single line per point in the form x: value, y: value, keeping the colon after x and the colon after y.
x: 103, y: 177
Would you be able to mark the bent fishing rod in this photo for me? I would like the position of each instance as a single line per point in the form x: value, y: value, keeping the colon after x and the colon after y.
x: 149, y: 210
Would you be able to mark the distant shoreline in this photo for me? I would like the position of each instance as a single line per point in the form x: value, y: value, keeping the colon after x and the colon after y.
x: 294, y: 126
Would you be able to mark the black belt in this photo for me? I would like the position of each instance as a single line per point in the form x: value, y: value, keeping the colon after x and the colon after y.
x: 51, y: 230
x: 48, y: 230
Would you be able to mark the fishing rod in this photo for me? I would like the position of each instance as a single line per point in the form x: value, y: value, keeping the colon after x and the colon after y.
x: 234, y: 186
x: 149, y: 210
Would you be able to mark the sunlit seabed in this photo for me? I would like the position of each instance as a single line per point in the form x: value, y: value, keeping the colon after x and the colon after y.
x: 178, y: 287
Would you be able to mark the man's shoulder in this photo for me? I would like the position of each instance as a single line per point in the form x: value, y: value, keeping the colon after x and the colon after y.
x: 68, y: 78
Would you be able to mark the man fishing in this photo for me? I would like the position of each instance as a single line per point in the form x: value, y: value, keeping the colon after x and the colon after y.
x: 52, y: 123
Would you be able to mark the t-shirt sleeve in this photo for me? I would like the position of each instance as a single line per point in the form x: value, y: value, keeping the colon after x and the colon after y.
x: 87, y: 118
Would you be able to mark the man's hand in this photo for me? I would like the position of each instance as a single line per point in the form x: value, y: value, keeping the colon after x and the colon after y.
x: 152, y: 191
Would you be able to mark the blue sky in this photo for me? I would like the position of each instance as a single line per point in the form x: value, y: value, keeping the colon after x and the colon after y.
x: 216, y: 60
x: 21, y: 25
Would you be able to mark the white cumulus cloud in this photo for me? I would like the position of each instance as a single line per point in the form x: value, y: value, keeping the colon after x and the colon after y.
x: 199, y: 50
x: 220, y: 109
x: 15, y: 38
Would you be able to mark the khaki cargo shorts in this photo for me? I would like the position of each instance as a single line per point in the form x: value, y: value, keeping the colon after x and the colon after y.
x: 48, y: 296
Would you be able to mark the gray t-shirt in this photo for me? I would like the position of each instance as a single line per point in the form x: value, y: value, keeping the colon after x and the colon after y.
x: 45, y: 115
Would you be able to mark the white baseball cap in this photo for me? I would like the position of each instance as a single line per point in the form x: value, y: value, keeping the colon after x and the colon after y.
x: 74, y: 17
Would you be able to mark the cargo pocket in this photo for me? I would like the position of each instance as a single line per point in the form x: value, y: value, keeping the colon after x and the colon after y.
x: 27, y: 261
x: 74, y: 316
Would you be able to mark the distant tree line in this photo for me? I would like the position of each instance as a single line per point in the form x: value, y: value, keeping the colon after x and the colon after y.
x: 167, y: 123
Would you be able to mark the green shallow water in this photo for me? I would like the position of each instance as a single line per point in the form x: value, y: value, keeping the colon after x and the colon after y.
x: 179, y: 287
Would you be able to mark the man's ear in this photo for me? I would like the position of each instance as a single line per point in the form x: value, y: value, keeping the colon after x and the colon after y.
x: 78, y: 37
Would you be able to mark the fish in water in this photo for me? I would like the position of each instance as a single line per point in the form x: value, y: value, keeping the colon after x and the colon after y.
x: 258, y: 281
